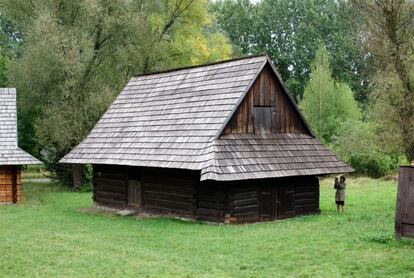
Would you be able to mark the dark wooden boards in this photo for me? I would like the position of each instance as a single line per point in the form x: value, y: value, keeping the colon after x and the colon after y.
x: 244, y: 203
x: 404, y: 215
x: 268, y: 92
x: 262, y: 200
x: 110, y: 186
x: 211, y: 202
x: 180, y: 193
x: 170, y: 190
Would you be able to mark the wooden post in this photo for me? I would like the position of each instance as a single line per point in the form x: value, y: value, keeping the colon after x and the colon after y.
x: 77, y: 175
x: 14, y: 184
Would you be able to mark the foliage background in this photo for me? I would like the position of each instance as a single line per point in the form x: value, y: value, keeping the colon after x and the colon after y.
x: 348, y: 63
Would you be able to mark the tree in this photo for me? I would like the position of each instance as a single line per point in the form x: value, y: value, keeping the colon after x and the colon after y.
x: 237, y: 19
x: 360, y: 144
x: 327, y: 104
x: 77, y: 55
x: 290, y: 32
x: 389, y: 36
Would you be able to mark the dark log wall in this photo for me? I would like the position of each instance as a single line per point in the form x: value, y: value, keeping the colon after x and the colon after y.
x: 211, y: 202
x: 404, y: 215
x: 110, y: 185
x: 307, y: 198
x: 10, y: 184
x: 170, y: 190
x: 266, y: 91
x: 163, y: 190
x: 179, y: 192
x: 258, y: 200
x: 244, y: 203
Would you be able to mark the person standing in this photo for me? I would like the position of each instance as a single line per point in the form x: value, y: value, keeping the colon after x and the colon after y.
x: 340, y: 193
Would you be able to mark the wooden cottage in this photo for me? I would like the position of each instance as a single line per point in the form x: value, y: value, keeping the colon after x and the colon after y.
x: 11, y: 157
x: 221, y: 142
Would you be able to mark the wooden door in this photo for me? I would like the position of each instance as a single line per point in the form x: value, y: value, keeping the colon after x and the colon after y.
x: 286, y: 201
x: 267, y: 204
x: 263, y: 119
x: 134, y: 187
x: 134, y: 193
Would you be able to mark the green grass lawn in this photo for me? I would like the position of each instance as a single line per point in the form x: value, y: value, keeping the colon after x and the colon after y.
x: 47, y: 235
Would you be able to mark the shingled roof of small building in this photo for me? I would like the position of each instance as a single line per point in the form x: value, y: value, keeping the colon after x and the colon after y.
x: 10, y: 153
x: 175, y: 119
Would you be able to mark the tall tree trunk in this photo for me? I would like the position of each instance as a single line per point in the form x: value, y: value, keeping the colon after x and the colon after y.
x: 394, y: 21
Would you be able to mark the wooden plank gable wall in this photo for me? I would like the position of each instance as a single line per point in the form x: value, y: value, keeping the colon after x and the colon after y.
x: 266, y: 91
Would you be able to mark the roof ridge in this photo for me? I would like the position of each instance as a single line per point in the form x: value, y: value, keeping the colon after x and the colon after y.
x: 202, y: 65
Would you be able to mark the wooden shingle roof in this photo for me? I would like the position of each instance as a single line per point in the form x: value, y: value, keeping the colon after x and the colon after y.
x: 10, y: 153
x: 251, y: 156
x: 174, y: 120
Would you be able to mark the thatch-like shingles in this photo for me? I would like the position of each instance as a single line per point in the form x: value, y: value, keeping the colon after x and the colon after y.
x: 10, y: 154
x: 168, y: 119
x: 174, y: 120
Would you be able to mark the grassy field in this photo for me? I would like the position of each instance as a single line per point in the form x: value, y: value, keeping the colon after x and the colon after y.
x: 48, y: 235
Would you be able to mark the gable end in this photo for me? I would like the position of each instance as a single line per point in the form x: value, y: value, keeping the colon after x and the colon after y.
x: 267, y: 108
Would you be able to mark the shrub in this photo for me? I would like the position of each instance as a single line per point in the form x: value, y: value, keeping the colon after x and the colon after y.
x: 372, y: 163
x: 87, y: 183
x: 359, y: 145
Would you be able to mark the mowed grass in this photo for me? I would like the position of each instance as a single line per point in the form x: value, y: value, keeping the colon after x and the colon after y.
x: 47, y: 235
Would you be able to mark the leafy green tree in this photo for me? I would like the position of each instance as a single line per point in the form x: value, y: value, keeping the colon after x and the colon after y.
x: 290, y: 32
x: 327, y: 104
x: 237, y: 20
x: 10, y: 40
x: 77, y: 55
x: 360, y: 144
x: 389, y: 37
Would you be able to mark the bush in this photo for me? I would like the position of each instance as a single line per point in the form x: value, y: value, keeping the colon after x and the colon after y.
x: 359, y: 145
x: 372, y: 163
x: 87, y: 184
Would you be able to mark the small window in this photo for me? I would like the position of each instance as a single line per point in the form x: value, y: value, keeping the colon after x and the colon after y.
x: 263, y: 119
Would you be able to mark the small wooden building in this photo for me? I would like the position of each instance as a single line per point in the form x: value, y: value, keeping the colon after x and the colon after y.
x: 220, y: 142
x: 404, y: 215
x: 11, y: 156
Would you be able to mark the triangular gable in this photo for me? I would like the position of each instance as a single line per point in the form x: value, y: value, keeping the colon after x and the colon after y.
x: 266, y: 91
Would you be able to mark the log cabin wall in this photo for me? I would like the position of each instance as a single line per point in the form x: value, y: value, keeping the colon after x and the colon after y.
x: 244, y: 202
x: 110, y: 186
x: 170, y: 191
x: 267, y: 96
x: 212, y: 201
x: 179, y: 192
x: 10, y: 184
x: 258, y: 200
x: 307, y: 195
x: 161, y: 190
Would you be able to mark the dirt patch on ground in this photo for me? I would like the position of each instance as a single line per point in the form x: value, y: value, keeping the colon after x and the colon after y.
x: 137, y: 215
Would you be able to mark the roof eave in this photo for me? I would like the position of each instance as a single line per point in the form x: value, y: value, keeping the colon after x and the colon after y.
x: 228, y: 177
